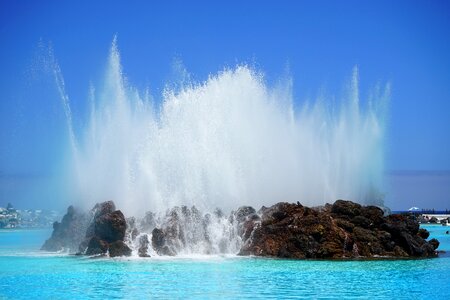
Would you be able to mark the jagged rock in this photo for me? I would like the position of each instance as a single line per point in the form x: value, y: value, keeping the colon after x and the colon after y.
x: 69, y: 233
x: 143, y: 246
x: 99, y: 210
x: 110, y: 226
x: 346, y: 208
x: 434, y: 243
x: 101, y: 229
x: 373, y: 213
x: 131, y: 232
x: 96, y: 246
x: 103, y: 208
x: 342, y: 230
x: 361, y: 221
x: 423, y: 233
x: 243, y: 212
x: 159, y: 243
x: 119, y: 248
x: 246, y: 219
x: 158, y: 239
x: 184, y: 228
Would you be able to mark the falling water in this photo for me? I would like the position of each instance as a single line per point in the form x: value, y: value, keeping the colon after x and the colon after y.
x: 229, y: 141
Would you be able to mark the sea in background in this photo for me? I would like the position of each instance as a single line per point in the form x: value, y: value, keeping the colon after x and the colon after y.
x: 28, y: 273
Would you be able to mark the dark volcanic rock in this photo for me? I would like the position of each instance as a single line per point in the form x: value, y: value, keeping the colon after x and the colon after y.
x: 96, y: 246
x: 346, y: 208
x: 101, y: 229
x: 184, y: 229
x: 159, y: 243
x: 243, y: 212
x: 104, y: 208
x: 342, y: 230
x: 434, y: 243
x: 132, y: 232
x: 69, y: 233
x: 158, y: 239
x: 143, y: 246
x: 373, y: 213
x: 110, y: 226
x: 119, y: 248
x: 245, y: 219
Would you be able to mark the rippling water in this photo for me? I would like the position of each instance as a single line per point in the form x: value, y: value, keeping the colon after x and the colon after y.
x: 27, y: 273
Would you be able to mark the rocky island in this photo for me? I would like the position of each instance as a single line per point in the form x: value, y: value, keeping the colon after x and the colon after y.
x: 343, y: 230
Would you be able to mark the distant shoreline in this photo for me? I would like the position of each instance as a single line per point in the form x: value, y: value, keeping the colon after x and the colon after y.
x: 420, y: 212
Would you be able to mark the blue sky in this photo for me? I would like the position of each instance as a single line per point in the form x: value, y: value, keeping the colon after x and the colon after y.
x: 406, y: 43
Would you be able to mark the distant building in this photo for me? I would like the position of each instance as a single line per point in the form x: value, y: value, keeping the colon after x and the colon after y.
x: 29, y: 218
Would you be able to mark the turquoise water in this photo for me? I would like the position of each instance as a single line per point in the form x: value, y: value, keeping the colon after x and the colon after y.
x: 27, y: 273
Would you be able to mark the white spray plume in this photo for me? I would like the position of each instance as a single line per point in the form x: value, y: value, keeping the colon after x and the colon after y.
x: 226, y: 142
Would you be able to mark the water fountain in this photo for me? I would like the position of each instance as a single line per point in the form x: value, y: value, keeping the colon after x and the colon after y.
x: 228, y: 141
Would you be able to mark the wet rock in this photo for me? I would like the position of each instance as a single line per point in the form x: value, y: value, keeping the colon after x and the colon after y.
x: 119, y: 248
x: 131, y: 232
x: 245, y: 219
x: 342, y: 230
x: 68, y: 233
x: 158, y: 239
x: 106, y: 231
x: 108, y: 227
x: 143, y: 246
x: 423, y: 233
x: 96, y: 246
x: 434, y: 243
x: 242, y: 213
x: 399, y: 252
x: 344, y: 224
x: 372, y: 213
x: 96, y: 232
x: 361, y: 221
x: 159, y: 243
x: 103, y: 208
x: 111, y: 226
x: 186, y: 229
x: 346, y: 208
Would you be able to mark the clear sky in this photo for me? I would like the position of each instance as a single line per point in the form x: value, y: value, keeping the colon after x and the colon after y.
x: 406, y: 43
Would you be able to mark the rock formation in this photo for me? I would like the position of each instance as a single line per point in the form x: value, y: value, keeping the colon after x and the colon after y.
x: 100, y: 230
x: 143, y: 246
x: 342, y: 230
x: 68, y: 233
x: 159, y: 243
x: 106, y: 232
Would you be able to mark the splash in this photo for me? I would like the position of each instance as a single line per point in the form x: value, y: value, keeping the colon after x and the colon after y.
x: 231, y: 140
